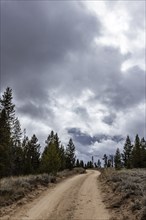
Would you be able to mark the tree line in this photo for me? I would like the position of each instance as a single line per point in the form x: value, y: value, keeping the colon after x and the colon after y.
x: 21, y: 155
x: 132, y: 155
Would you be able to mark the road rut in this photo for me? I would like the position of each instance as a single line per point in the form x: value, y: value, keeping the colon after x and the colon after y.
x: 76, y: 198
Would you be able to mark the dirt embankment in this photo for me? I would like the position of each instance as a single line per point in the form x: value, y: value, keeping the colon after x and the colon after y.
x: 75, y: 198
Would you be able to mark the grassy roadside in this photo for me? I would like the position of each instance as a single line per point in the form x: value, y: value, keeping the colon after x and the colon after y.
x: 15, y: 189
x: 124, y: 193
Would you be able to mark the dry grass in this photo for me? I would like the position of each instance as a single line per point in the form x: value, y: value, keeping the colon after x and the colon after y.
x: 125, y: 193
x: 13, y: 189
x: 66, y: 173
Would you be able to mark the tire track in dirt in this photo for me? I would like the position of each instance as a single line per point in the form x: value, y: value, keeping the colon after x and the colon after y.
x: 75, y: 198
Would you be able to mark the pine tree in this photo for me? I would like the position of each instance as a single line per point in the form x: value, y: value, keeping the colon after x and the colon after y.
x: 99, y: 163
x: 77, y: 163
x: 136, y: 153
x: 50, y: 138
x: 143, y: 152
x: 17, y: 134
x: 34, y: 148
x: 32, y: 155
x: 5, y: 134
x: 90, y: 164
x: 111, y: 160
x: 18, y: 161
x: 126, y: 155
x: 62, y: 157
x: 5, y: 140
x: 25, y: 141
x: 105, y: 158
x: 82, y: 163
x: 109, y: 163
x: 7, y: 105
x: 50, y: 161
x: 70, y: 155
x: 17, y: 150
x: 117, y: 159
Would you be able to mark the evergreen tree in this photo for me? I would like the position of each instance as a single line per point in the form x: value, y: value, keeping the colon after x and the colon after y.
x: 17, y: 134
x: 17, y: 165
x: 51, y: 138
x: 5, y: 140
x: 34, y: 148
x: 51, y: 161
x: 70, y: 155
x: 136, y: 153
x: 105, y: 158
x: 117, y: 159
x: 111, y: 160
x: 62, y: 157
x: 9, y: 108
x: 109, y: 163
x: 89, y: 164
x: 82, y: 163
x: 77, y: 163
x: 5, y: 134
x: 99, y: 163
x: 25, y: 166
x: 31, y: 155
x: 143, y: 152
x: 6, y: 103
x: 126, y: 155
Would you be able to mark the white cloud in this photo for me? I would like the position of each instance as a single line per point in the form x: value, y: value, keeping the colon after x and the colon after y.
x: 107, y: 146
x: 123, y: 26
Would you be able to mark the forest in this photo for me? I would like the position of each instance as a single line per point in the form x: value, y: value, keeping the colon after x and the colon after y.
x: 21, y: 155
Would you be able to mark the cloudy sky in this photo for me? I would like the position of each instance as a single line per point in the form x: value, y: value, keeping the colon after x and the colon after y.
x: 77, y: 67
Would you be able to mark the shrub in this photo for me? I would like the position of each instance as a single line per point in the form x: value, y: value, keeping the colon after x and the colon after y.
x: 128, y: 189
x: 136, y: 206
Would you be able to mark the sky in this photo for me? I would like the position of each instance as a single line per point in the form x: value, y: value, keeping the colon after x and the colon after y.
x: 78, y: 68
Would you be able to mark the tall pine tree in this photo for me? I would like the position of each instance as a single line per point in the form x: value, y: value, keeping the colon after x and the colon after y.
x: 5, y: 140
x: 7, y: 106
x: 136, y: 153
x: 126, y: 155
x: 70, y: 155
x: 50, y: 161
x: 31, y: 151
x: 117, y: 159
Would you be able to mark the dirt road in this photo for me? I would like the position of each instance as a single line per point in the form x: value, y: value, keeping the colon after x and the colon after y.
x: 75, y: 198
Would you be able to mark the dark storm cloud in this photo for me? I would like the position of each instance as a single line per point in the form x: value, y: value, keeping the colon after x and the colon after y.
x: 37, y: 111
x: 48, y: 45
x: 37, y: 35
x: 86, y: 140
x: 80, y: 137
